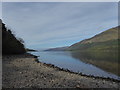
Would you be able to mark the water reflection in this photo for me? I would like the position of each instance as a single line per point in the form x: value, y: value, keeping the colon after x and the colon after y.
x: 107, y: 61
x: 89, y: 63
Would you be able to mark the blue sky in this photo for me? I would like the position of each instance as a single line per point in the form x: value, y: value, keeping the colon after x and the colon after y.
x: 50, y: 24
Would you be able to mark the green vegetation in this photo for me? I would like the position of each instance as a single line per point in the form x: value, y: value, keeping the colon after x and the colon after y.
x: 10, y: 44
x: 102, y: 50
x: 105, y: 41
x: 111, y: 45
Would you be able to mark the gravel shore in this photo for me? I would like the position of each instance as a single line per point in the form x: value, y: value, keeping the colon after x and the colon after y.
x: 22, y: 71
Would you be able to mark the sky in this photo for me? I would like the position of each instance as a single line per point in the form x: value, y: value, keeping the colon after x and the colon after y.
x: 0, y: 10
x: 56, y: 24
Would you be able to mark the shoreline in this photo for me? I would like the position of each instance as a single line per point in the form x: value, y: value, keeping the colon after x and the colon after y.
x: 66, y: 70
x: 27, y: 65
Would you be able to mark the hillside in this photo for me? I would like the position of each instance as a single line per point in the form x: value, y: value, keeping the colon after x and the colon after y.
x: 10, y: 44
x: 57, y: 49
x: 107, y: 40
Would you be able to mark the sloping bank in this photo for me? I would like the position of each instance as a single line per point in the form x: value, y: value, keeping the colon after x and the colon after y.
x: 24, y: 71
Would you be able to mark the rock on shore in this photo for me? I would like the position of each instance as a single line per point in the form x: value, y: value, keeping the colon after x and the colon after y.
x: 22, y: 71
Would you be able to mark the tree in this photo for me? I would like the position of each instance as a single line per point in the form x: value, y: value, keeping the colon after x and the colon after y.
x: 21, y: 40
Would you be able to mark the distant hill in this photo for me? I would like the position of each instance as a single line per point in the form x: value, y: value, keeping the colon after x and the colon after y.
x: 107, y: 40
x: 10, y: 44
x: 57, y: 49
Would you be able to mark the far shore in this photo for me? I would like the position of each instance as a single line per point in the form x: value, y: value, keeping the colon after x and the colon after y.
x: 25, y: 71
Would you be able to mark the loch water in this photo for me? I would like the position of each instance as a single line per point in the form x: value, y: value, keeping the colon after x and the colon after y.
x: 104, y: 64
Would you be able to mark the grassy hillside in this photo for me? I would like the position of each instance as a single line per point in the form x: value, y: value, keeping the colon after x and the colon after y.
x: 105, y: 41
x: 111, y: 34
x: 100, y: 50
x: 10, y: 44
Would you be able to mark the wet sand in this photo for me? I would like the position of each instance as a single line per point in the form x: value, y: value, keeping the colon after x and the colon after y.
x: 24, y: 71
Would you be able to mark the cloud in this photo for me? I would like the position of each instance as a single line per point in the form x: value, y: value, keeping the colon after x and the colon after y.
x: 60, y: 1
x: 45, y: 25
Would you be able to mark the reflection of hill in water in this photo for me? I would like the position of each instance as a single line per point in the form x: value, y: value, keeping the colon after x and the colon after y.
x: 107, y: 61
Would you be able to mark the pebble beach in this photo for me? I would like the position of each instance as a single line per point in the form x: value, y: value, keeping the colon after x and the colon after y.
x: 24, y: 71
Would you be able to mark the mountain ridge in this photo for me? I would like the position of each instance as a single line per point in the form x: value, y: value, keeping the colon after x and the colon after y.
x: 108, y: 38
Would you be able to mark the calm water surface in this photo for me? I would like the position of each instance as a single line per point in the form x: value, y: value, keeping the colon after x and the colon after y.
x: 82, y: 62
